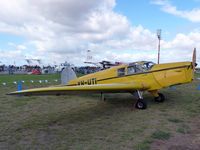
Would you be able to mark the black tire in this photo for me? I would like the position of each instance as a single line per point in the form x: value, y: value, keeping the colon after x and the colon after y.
x: 141, y: 104
x: 160, y: 98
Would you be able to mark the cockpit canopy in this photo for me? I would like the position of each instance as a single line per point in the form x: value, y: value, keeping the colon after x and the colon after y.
x: 136, y: 67
x: 141, y: 66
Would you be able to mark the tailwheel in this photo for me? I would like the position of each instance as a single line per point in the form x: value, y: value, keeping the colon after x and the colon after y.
x: 160, y: 98
x: 141, y: 104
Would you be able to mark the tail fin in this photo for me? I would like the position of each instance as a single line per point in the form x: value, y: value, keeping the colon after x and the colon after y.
x: 67, y: 74
x: 194, y: 59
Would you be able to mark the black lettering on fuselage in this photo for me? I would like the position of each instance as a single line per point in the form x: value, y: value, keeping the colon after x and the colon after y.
x: 91, y: 81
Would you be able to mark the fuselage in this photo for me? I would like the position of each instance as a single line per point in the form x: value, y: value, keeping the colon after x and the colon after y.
x: 157, y: 76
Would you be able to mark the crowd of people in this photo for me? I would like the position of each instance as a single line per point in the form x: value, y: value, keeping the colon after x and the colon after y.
x: 11, y: 69
x: 28, y: 69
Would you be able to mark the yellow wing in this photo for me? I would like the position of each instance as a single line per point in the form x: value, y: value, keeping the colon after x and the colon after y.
x: 67, y: 90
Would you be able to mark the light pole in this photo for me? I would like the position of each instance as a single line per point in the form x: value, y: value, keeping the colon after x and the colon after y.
x: 159, y: 38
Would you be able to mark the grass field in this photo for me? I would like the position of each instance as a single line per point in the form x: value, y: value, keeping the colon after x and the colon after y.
x: 27, y: 78
x: 86, y: 122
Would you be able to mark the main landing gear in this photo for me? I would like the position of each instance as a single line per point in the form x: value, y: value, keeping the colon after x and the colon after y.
x: 141, y: 103
x: 160, y: 98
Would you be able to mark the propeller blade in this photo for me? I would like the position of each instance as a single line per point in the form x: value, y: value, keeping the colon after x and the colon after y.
x: 194, y: 59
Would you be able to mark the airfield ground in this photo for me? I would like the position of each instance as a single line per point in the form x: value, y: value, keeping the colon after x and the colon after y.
x: 86, y: 122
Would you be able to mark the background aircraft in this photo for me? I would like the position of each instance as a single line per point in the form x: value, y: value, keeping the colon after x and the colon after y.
x: 134, y: 78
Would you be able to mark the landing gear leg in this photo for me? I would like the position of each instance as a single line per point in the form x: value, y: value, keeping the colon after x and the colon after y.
x: 103, y: 97
x: 140, y: 104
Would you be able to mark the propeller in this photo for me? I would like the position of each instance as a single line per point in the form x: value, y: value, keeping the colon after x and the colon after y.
x: 194, y: 64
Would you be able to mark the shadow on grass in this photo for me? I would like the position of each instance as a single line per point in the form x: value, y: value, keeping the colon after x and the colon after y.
x: 83, y: 114
x: 93, y: 109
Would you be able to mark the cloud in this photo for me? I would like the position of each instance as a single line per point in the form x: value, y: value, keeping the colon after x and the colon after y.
x: 65, y: 29
x: 191, y: 15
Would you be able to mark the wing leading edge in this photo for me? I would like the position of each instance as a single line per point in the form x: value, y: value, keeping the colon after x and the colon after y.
x: 67, y: 90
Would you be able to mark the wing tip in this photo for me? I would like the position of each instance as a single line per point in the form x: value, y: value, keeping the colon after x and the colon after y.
x: 18, y: 93
x: 12, y: 93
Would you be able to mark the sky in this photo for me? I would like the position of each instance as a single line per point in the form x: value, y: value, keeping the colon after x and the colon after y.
x: 116, y: 30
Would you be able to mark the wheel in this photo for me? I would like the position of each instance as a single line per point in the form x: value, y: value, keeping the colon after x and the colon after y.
x: 141, y: 104
x: 160, y: 98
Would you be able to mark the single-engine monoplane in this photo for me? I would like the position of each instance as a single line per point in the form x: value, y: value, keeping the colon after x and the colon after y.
x: 134, y: 78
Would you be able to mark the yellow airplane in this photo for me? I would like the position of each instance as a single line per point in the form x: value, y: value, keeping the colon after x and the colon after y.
x: 134, y: 78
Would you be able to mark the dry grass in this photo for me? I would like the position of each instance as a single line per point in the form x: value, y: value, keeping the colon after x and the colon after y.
x: 86, y: 122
